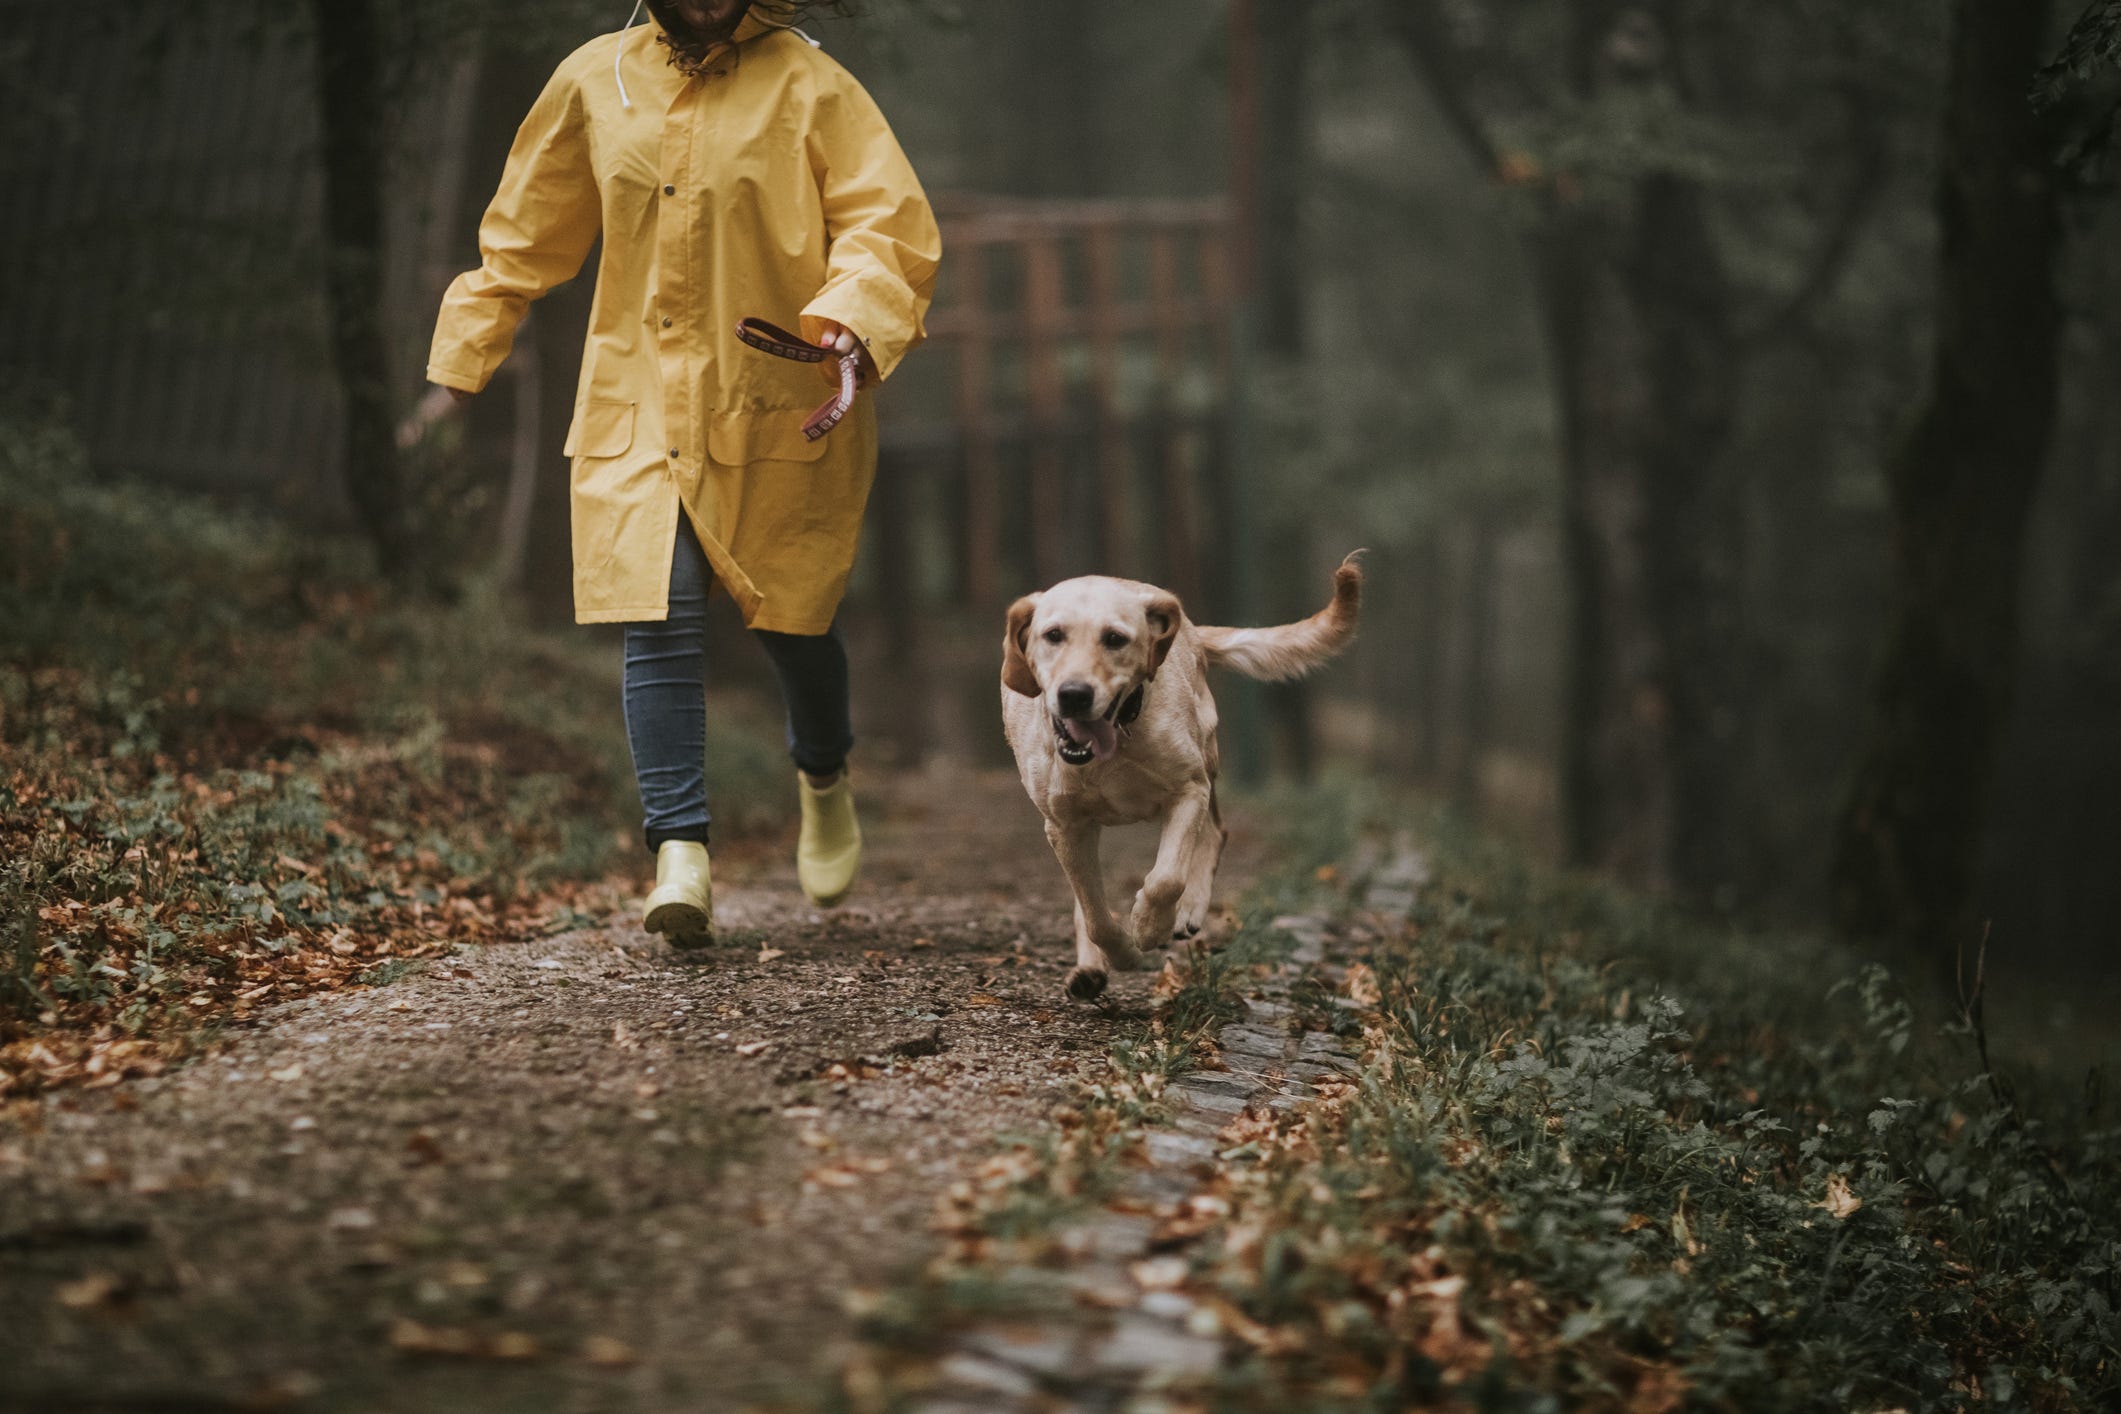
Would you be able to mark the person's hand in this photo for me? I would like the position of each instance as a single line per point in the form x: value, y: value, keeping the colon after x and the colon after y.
x: 460, y: 395
x: 840, y: 340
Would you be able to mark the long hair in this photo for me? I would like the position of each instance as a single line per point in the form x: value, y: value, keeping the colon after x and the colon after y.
x: 689, y: 50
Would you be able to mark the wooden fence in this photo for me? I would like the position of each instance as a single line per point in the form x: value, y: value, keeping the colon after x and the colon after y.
x: 1086, y: 349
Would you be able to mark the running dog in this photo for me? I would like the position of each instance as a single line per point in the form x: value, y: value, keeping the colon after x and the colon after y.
x: 1105, y: 699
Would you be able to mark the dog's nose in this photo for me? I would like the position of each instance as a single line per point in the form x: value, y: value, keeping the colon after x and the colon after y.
x: 1074, y: 698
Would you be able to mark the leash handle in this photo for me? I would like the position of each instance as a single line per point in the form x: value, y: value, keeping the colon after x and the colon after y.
x: 773, y: 339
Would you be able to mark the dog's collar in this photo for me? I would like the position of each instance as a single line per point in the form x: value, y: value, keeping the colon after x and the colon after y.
x: 1128, y: 708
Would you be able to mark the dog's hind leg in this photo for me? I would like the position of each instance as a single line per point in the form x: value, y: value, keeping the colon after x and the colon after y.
x: 1100, y: 943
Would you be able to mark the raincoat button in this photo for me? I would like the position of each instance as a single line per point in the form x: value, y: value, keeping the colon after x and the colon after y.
x: 673, y: 453
x: 666, y: 322
x: 669, y: 190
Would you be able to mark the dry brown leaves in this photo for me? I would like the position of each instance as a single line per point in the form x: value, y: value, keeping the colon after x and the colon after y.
x: 149, y: 1001
x: 1840, y: 1202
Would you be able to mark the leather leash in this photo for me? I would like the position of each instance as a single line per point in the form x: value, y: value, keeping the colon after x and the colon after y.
x: 773, y: 339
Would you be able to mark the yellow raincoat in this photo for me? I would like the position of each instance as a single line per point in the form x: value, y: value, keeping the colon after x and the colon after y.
x: 769, y: 186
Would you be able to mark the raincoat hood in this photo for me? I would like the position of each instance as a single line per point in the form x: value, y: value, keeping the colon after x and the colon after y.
x: 759, y: 17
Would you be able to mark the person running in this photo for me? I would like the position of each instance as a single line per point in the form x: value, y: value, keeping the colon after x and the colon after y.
x: 733, y: 171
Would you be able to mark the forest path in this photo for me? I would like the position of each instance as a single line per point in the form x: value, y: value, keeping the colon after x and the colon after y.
x: 577, y: 1173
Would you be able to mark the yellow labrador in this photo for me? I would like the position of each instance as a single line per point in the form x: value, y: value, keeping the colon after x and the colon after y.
x: 1105, y: 699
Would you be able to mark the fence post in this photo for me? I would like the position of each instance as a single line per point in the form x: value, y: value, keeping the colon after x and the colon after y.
x: 1044, y: 299
x: 983, y: 516
x: 1114, y: 483
x: 1181, y: 557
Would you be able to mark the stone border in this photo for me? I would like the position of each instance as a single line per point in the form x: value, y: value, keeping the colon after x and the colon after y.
x: 1155, y: 1339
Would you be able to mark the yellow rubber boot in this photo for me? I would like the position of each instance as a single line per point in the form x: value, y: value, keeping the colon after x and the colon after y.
x: 681, y: 907
x: 828, y: 853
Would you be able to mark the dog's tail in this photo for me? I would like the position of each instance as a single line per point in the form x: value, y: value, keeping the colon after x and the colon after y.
x: 1292, y: 650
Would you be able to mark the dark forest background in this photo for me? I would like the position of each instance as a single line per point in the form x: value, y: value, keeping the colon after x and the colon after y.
x: 1727, y: 395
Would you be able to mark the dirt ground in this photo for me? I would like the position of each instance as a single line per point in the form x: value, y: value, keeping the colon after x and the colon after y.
x: 578, y: 1174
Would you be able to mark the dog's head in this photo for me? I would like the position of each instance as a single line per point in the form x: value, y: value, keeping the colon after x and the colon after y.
x: 1082, y: 647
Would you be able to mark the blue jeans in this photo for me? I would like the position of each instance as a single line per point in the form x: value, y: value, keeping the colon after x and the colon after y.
x: 666, y: 702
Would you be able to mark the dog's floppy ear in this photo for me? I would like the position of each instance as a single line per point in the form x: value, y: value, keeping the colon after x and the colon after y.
x: 1016, y: 666
x: 1165, y: 615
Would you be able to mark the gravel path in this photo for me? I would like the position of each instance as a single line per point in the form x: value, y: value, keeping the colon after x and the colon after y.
x: 578, y: 1174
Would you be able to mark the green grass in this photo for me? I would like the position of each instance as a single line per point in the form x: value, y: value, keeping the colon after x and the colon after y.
x: 1624, y: 1132
x: 1602, y: 1155
x: 234, y: 766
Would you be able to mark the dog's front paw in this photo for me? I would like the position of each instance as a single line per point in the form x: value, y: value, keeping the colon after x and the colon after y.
x: 1192, y: 917
x: 1087, y: 984
x: 1153, y: 923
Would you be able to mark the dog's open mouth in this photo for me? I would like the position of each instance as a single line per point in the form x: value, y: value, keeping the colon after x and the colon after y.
x: 1081, y: 742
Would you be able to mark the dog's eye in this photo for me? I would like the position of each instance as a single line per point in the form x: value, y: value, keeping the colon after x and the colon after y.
x: 1056, y: 635
x: 1115, y: 640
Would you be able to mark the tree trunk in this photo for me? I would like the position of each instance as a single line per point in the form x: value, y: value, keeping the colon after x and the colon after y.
x: 1961, y: 484
x: 1636, y: 316
x: 1638, y: 312
x: 349, y: 60
x: 1691, y: 543
x: 1616, y: 772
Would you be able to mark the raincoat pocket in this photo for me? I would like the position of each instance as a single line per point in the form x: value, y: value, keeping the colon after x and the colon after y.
x: 601, y: 429
x: 769, y: 434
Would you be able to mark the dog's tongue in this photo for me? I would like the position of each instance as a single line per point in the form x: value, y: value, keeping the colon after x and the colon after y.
x: 1098, y: 735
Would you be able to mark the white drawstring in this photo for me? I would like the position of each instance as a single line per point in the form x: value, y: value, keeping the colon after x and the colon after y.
x: 625, y: 99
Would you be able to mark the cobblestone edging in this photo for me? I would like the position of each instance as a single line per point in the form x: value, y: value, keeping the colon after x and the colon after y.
x: 1131, y: 1340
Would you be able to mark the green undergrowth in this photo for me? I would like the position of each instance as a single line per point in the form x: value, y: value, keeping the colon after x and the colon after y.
x: 1601, y: 1155
x: 235, y: 766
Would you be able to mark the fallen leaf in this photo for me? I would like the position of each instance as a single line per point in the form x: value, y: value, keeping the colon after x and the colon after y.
x: 607, y: 1353
x: 772, y: 954
x: 1840, y: 1201
x: 351, y: 1220
x: 922, y: 943
x: 983, y: 999
x: 95, y: 1289
x: 1362, y: 985
x: 752, y: 1048
x: 1160, y: 1273
x: 285, y: 1072
x: 416, y: 1339
x: 513, y: 1345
